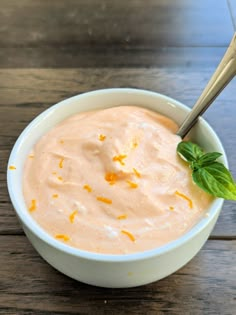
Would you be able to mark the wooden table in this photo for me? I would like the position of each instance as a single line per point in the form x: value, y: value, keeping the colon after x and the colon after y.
x: 51, y: 50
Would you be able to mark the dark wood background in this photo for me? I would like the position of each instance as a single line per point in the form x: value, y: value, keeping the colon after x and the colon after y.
x: 51, y: 50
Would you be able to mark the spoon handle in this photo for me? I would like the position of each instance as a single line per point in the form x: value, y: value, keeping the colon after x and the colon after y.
x: 224, y: 73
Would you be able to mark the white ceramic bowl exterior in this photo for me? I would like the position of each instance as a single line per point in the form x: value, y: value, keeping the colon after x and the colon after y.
x: 99, y: 269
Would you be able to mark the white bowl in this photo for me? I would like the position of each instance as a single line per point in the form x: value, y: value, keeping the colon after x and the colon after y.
x: 114, y: 271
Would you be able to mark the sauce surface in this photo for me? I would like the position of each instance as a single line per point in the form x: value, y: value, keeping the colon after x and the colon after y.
x: 110, y: 181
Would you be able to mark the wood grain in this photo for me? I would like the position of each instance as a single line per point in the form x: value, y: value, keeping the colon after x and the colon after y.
x: 133, y: 23
x: 30, y: 286
x: 100, y: 34
x: 71, y: 56
x: 37, y: 89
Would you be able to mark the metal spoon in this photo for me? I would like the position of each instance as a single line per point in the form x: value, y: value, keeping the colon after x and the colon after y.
x: 224, y: 73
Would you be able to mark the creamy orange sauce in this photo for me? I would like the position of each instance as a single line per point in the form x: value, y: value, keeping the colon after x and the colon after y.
x: 110, y: 181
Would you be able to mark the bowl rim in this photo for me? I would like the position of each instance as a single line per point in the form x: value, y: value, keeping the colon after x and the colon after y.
x: 39, y: 232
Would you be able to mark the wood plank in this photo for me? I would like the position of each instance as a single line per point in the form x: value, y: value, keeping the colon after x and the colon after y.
x: 30, y: 286
x: 232, y: 7
x: 135, y: 23
x: 26, y: 92
x: 72, y: 56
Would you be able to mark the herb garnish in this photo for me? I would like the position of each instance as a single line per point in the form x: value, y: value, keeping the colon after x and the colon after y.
x: 210, y: 175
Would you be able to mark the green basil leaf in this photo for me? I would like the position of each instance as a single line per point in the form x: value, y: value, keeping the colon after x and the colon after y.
x: 189, y: 151
x: 216, y: 180
x: 211, y: 176
x: 208, y: 158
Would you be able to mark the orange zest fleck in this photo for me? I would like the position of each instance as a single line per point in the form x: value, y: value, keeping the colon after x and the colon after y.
x: 122, y: 217
x: 132, y: 184
x: 111, y: 178
x: 12, y: 167
x: 119, y: 158
x: 33, y: 205
x: 190, y: 203
x: 54, y: 173
x: 72, y: 216
x: 64, y: 237
x: 105, y: 200
x: 60, y: 178
x: 61, y: 141
x: 134, y: 144
x: 61, y: 163
x: 88, y: 188
x: 136, y: 173
x: 130, y: 235
x: 171, y: 208
x: 31, y: 156
x: 102, y: 137
x: 55, y: 196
